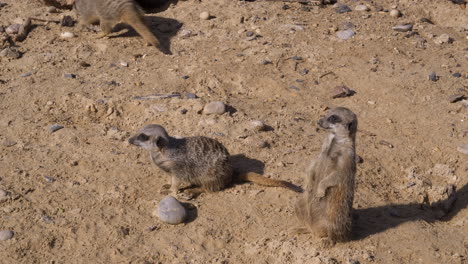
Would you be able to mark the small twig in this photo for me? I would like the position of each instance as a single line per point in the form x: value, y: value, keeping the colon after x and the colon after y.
x: 45, y: 20
x: 325, y: 74
x: 157, y: 96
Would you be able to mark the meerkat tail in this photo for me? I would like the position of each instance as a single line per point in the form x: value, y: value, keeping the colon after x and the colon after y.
x: 135, y: 19
x: 262, y: 180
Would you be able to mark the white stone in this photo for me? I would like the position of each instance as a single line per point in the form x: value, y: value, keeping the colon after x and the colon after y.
x: 6, y: 234
x: 171, y: 211
x: 204, y: 15
x: 361, y: 8
x: 217, y: 108
x: 67, y: 35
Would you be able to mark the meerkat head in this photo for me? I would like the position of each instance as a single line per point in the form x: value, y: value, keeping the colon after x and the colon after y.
x: 150, y: 137
x: 340, y: 121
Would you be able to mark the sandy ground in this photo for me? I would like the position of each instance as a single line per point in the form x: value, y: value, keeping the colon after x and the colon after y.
x: 84, y: 195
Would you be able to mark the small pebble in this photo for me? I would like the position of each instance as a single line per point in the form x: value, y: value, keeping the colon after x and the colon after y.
x: 67, y: 21
x: 386, y: 143
x: 249, y: 33
x: 171, y: 211
x: 183, y: 111
x: 26, y: 74
x: 3, y: 195
x: 261, y: 144
x: 296, y: 58
x: 185, y: 33
x: 52, y: 9
x: 395, y: 13
x: 55, y: 128
x: 258, y: 125
x: 191, y: 96
x: 433, y: 77
x: 342, y: 9
x: 9, y: 143
x: 342, y: 91
x: 457, y: 75
x: 151, y: 228
x: 403, y: 28
x: 13, y: 29
x: 69, y: 75
x: 265, y: 62
x: 443, y: 39
x: 84, y: 64
x: 67, y: 35
x: 361, y: 8
x: 204, y: 15
x: 304, y: 72
x: 426, y: 20
x: 217, y: 108
x: 123, y: 64
x: 6, y: 234
x: 294, y: 87
x: 10, y: 53
x: 49, y: 179
x: 463, y: 148
x: 185, y: 77
x: 455, y: 98
x: 345, y: 34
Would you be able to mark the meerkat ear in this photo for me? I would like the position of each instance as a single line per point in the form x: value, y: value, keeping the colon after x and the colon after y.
x: 160, y: 142
x: 352, y: 126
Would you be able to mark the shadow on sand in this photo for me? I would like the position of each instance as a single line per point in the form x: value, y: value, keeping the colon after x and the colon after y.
x: 369, y: 221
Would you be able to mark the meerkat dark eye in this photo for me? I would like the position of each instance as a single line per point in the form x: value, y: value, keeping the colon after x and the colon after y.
x: 334, y: 119
x: 142, y: 137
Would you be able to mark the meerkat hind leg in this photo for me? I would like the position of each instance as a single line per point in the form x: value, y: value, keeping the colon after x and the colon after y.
x: 106, y: 29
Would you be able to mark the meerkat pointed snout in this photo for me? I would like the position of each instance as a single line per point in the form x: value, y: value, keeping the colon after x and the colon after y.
x: 150, y: 137
x: 199, y: 161
x: 326, y: 204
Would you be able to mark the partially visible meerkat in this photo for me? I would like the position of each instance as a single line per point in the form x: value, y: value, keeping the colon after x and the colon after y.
x: 326, y: 204
x: 110, y: 12
x: 195, y: 161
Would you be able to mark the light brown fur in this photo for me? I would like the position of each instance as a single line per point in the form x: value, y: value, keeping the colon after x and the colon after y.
x: 110, y: 12
x: 326, y: 204
x: 198, y: 161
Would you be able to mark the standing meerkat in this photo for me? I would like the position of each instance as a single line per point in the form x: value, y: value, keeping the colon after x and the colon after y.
x: 195, y: 161
x: 326, y: 204
x: 110, y: 12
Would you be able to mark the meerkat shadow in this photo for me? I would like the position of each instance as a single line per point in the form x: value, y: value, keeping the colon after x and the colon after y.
x: 374, y: 220
x: 243, y: 164
x: 164, y: 29
x: 192, y: 212
x: 156, y: 6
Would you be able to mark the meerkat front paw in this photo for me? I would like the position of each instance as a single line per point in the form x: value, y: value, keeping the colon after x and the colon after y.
x: 326, y: 243
x: 185, y: 196
x: 165, y: 189
x: 320, y: 193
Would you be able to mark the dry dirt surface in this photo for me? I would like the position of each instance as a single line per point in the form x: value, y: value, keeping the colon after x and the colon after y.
x: 82, y: 194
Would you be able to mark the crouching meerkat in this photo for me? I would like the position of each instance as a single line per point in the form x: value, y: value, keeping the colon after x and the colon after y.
x: 195, y: 161
x: 110, y: 12
x: 326, y: 204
